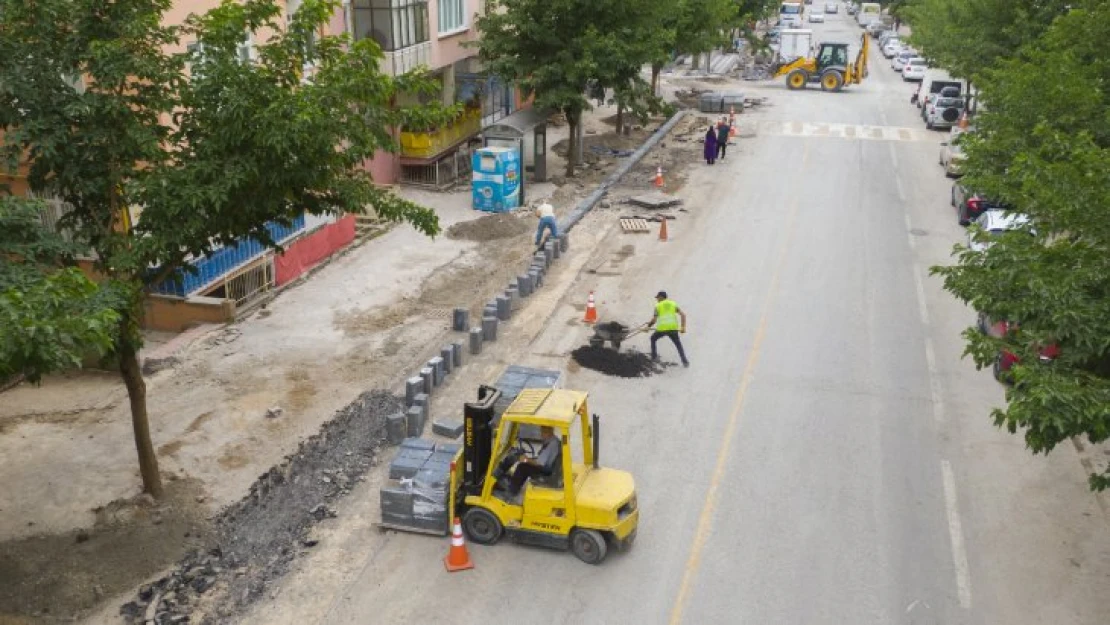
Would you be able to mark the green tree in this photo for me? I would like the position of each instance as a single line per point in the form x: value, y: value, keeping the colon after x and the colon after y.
x: 555, y: 49
x: 695, y: 27
x: 212, y: 143
x: 52, y: 316
x: 970, y: 36
x: 1043, y: 146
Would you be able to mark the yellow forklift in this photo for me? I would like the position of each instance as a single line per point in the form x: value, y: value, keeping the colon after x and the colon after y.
x: 579, y: 506
x: 829, y: 68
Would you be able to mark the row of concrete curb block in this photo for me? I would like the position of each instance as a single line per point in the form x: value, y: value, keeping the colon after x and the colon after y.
x: 419, y: 388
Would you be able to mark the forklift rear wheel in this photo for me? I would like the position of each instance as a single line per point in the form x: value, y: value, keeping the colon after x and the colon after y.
x: 482, y: 526
x: 588, y: 546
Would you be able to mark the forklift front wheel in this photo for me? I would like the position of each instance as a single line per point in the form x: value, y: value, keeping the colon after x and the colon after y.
x: 588, y: 546
x: 482, y: 526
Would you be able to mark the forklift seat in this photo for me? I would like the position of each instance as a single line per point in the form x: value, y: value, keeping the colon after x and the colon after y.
x: 555, y: 478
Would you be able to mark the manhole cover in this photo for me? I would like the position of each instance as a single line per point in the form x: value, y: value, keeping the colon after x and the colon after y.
x: 918, y: 232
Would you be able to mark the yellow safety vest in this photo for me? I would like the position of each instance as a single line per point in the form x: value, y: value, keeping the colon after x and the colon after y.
x: 666, y: 316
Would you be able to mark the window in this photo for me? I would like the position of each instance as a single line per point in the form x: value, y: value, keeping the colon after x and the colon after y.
x: 394, y: 24
x: 452, y: 16
x: 246, y: 48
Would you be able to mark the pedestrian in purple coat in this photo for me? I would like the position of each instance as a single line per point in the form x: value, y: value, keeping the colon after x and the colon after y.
x: 711, y: 146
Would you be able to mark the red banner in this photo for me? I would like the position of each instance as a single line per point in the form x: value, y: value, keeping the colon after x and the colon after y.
x: 308, y: 251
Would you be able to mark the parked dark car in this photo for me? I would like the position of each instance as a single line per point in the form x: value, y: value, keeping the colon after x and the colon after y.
x: 969, y: 205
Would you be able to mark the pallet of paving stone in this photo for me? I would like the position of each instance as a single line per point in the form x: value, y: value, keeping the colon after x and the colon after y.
x: 635, y: 225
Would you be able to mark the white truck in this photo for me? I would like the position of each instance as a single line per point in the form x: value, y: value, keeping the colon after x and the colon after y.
x: 794, y: 43
x: 868, y: 12
x: 790, y: 14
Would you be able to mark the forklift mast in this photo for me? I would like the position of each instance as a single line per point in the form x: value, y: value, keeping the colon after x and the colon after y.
x: 478, y: 438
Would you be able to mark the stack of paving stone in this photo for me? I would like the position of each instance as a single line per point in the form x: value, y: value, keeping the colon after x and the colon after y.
x: 419, y: 490
x: 517, y: 378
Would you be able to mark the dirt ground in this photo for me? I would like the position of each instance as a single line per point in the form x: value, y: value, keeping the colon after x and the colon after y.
x: 74, y: 533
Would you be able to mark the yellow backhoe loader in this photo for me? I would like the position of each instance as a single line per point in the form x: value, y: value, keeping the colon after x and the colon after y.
x: 830, y: 68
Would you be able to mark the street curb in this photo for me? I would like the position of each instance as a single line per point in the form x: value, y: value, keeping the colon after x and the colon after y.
x: 587, y: 204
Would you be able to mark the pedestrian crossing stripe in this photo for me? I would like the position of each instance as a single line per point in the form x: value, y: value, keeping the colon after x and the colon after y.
x: 845, y: 131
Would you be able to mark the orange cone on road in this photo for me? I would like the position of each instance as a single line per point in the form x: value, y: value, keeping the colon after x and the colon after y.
x: 659, y: 177
x: 591, y: 309
x: 963, y: 121
x: 732, y: 122
x: 663, y: 230
x: 457, y: 559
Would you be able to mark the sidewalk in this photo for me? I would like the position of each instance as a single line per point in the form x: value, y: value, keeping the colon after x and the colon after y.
x: 365, y: 320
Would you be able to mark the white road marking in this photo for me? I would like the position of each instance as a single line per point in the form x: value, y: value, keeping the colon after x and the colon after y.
x: 901, y: 189
x: 955, y: 530
x: 843, y: 131
x: 919, y: 284
x: 894, y: 161
x: 935, y: 395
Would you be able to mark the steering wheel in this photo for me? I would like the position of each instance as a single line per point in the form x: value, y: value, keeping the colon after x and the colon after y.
x: 526, y: 446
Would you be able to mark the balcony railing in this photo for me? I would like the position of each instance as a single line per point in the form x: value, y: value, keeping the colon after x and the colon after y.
x: 433, y: 143
x: 223, y: 261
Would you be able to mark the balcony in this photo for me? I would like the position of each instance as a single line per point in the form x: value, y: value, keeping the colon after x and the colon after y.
x: 427, y: 145
x: 223, y: 261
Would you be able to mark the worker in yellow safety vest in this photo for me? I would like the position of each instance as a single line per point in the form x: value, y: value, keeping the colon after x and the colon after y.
x: 665, y: 319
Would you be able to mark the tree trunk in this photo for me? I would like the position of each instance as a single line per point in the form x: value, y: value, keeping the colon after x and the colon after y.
x: 620, y: 119
x: 656, y: 68
x: 136, y: 391
x: 572, y: 142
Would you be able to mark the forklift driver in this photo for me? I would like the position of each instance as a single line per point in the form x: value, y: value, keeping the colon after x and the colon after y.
x: 545, y: 463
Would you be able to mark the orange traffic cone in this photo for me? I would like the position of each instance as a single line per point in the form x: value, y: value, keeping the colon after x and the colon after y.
x: 659, y: 177
x: 663, y: 230
x: 591, y: 309
x: 731, y: 121
x: 963, y: 122
x: 457, y: 559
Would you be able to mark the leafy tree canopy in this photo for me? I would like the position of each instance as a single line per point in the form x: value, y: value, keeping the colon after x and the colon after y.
x: 1043, y: 146
x: 51, y: 314
x: 115, y: 110
x: 969, y: 36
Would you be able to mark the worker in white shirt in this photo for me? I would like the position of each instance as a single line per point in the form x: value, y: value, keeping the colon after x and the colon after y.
x: 546, y: 213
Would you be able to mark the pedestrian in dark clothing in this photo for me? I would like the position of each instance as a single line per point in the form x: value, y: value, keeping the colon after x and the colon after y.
x: 711, y: 146
x: 724, y: 129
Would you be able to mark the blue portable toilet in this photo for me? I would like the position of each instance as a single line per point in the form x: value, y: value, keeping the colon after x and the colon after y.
x: 495, y: 183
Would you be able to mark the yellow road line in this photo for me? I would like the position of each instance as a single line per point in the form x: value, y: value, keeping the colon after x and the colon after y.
x: 705, y: 521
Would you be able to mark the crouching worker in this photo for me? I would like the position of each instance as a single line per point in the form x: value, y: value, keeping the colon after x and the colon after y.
x: 545, y: 463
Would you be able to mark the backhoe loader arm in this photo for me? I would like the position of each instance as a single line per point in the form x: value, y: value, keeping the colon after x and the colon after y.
x: 858, y: 70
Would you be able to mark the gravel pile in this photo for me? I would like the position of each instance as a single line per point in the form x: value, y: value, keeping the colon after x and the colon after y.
x: 629, y: 364
x: 258, y: 537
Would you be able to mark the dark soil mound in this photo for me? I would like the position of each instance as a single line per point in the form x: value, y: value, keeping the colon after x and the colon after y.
x: 613, y: 327
x: 612, y: 362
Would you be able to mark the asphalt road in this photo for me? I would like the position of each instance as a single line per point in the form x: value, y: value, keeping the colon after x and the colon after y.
x: 828, y: 458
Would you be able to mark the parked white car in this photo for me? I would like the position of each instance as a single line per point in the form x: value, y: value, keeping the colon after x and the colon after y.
x: 914, y: 70
x: 898, y: 61
x: 995, y: 222
x: 816, y: 18
x: 892, y: 47
x: 831, y: 7
x: 952, y: 154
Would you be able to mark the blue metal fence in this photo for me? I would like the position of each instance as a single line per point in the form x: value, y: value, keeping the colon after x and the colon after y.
x: 223, y: 261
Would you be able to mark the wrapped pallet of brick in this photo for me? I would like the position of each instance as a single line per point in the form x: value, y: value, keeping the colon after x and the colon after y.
x: 418, y: 495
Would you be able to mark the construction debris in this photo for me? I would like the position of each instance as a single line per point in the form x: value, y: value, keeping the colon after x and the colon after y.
x: 655, y: 199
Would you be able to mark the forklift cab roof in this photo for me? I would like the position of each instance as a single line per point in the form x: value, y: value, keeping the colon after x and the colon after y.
x: 555, y: 408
